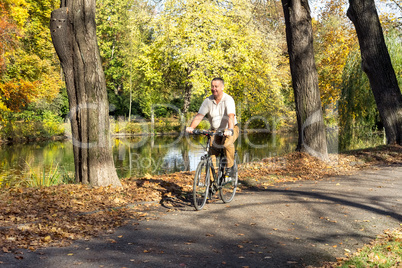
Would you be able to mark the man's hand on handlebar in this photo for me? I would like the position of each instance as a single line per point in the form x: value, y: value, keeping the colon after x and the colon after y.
x: 189, y: 130
x: 228, y: 132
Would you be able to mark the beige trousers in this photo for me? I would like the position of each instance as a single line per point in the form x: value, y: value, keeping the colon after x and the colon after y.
x: 227, y: 143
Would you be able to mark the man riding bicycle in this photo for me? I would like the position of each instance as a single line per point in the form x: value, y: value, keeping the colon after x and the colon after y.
x: 221, y: 113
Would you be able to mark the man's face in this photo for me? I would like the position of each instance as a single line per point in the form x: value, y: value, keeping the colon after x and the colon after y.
x: 217, y: 88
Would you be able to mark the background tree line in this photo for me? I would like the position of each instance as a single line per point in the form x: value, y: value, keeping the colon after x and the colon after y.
x: 32, y: 99
x: 174, y: 58
x: 162, y: 52
x: 167, y: 52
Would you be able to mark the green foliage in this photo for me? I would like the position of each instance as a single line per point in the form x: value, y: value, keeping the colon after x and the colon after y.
x: 393, y: 39
x: 134, y: 128
x: 33, y: 58
x: 119, y: 25
x: 36, y: 176
x: 52, y: 124
x: 30, y: 79
x: 162, y: 125
x: 188, y: 47
x: 166, y: 125
x: 334, y: 37
x: 195, y: 103
x: 357, y: 108
x: 204, y: 124
x: 58, y: 106
x: 112, y: 23
x: 158, y: 53
x: 43, y: 178
x: 30, y: 125
x: 39, y: 177
x: 358, y: 115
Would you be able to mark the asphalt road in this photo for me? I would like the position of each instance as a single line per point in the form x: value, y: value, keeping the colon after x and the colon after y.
x: 288, y: 225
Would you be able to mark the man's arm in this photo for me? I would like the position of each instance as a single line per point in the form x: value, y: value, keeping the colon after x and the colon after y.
x: 229, y: 131
x: 197, y: 119
x: 231, y: 112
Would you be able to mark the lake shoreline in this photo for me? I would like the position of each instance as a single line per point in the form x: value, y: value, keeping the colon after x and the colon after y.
x: 121, y: 135
x: 33, y: 139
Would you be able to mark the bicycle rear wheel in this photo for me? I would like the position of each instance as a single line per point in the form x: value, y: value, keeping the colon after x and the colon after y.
x: 228, y: 189
x: 201, y: 185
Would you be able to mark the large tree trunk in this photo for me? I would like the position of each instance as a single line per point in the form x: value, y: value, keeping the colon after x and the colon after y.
x: 299, y: 35
x: 74, y: 38
x: 188, y: 88
x: 376, y: 63
x: 187, y: 97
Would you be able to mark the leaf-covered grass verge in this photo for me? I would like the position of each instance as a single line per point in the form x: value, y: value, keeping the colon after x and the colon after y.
x: 384, y: 252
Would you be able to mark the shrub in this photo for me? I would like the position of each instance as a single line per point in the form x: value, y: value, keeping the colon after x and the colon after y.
x: 204, y: 124
x: 30, y: 125
x: 134, y: 128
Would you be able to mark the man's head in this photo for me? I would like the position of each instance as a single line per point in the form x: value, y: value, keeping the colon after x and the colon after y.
x: 217, y: 86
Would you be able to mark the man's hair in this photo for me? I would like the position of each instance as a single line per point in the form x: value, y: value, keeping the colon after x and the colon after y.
x: 218, y: 79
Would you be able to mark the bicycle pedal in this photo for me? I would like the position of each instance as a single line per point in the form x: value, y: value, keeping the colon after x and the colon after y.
x: 213, y: 189
x: 227, y: 179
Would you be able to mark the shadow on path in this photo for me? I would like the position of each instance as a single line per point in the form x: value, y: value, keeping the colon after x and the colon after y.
x: 289, y: 225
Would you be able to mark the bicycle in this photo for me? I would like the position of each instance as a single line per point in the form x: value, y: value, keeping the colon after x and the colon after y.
x: 202, y: 186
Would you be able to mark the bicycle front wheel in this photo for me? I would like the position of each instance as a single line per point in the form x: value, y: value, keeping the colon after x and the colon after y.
x: 228, y: 189
x: 201, y: 185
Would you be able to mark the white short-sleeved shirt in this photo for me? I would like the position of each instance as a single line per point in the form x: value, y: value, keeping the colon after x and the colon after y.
x: 217, y: 114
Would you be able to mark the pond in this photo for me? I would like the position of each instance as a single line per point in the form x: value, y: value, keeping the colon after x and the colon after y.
x: 136, y: 156
x: 169, y: 154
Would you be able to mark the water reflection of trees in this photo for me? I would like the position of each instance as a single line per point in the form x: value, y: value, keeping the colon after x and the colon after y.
x: 16, y: 159
x: 137, y: 156
x: 158, y: 155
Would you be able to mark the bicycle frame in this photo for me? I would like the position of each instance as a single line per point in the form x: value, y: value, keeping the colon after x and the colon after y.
x: 203, y: 186
x: 207, y: 157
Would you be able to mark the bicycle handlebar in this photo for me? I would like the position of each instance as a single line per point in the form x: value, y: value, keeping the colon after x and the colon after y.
x: 207, y: 133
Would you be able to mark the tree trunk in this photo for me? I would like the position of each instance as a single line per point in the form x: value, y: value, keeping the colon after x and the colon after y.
x: 187, y: 97
x: 131, y: 93
x: 376, y: 63
x: 187, y: 92
x: 299, y: 35
x: 74, y: 37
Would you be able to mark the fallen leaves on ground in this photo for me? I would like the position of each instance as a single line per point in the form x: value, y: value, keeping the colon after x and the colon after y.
x: 31, y: 218
x: 301, y: 166
x: 38, y: 217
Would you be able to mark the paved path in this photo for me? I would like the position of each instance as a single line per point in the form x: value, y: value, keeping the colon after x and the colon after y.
x: 289, y: 225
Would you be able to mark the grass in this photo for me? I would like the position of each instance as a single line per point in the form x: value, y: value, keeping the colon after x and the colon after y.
x: 43, y: 178
x: 36, y: 177
x: 384, y: 252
